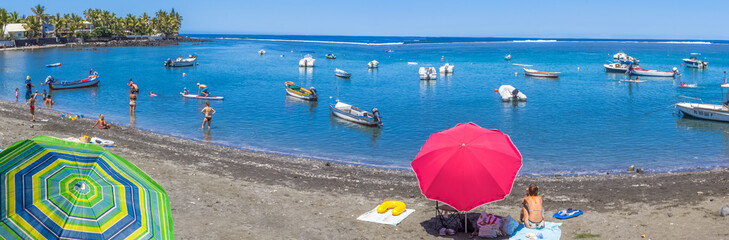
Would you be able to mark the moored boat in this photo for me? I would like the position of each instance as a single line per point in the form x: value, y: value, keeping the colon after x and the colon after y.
x: 706, y: 111
x: 510, y: 93
x: 447, y: 68
x: 616, y: 68
x: 625, y: 59
x: 653, y: 73
x: 301, y: 93
x: 373, y: 64
x: 508, y: 57
x: 331, y: 56
x: 694, y: 62
x: 427, y: 73
x: 53, y: 65
x: 261, y: 52
x: 181, y: 62
x: 354, y: 114
x: 307, y: 60
x: 341, y: 73
x: 91, y: 81
x: 535, y: 73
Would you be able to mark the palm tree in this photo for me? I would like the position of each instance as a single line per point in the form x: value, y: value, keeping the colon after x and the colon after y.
x: 74, y: 22
x: 59, y: 24
x: 14, y: 17
x: 39, y: 12
x: 145, y: 22
x: 32, y: 27
x: 4, y: 19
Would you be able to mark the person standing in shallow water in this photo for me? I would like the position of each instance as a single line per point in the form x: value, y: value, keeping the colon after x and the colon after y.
x: 208, y: 111
x: 28, y: 89
x: 132, y: 102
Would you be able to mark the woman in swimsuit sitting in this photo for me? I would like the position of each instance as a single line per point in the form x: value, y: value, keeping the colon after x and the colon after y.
x: 101, y: 123
x: 532, y: 212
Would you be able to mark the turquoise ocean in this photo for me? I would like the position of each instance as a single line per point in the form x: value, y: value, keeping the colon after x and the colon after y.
x: 585, y: 122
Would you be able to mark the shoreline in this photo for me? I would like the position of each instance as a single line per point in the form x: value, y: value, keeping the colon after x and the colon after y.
x: 255, y: 192
x: 113, y: 43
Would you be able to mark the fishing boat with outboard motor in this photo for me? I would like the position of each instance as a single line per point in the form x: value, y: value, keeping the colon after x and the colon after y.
x: 373, y: 64
x: 510, y: 93
x: 715, y: 112
x: 427, y: 73
x: 307, y: 60
x: 446, y: 69
x: 91, y: 81
x: 616, y: 68
x: 354, y: 114
x: 301, y: 93
x: 181, y: 62
x: 694, y: 62
x: 653, y: 73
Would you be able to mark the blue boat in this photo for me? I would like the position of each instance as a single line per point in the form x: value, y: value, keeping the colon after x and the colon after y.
x: 53, y: 65
x: 91, y: 81
x: 694, y: 62
x: 354, y: 114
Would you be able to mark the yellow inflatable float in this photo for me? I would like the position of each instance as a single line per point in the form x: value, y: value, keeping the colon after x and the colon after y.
x: 398, y: 207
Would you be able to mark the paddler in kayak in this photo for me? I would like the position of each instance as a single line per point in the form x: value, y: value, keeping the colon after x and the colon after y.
x: 203, y: 90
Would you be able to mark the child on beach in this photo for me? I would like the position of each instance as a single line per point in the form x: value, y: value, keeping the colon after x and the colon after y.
x: 31, y: 103
x: 45, y: 94
x: 16, y: 94
x: 101, y: 123
x: 208, y: 111
x: 48, y: 102
x: 532, y: 212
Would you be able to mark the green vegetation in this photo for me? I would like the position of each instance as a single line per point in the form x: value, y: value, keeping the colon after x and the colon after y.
x: 586, y: 235
x: 105, y: 23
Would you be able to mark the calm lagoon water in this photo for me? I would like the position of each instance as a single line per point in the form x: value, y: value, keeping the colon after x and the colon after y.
x: 585, y: 122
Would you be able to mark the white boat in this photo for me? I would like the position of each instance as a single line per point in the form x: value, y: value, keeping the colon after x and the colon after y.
x: 201, y: 96
x: 307, y: 60
x: 373, y: 64
x: 714, y: 112
x: 625, y: 59
x: 354, y: 114
x: 508, y: 57
x: 261, y: 52
x: 447, y: 68
x: 341, y: 73
x: 620, y: 55
x: 535, y: 73
x: 510, y: 93
x: 181, y: 62
x: 694, y: 62
x: 412, y: 63
x: 616, y: 68
x: 522, y: 65
x: 427, y: 73
x: 654, y: 73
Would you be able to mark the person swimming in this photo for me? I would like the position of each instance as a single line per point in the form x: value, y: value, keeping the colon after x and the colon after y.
x: 151, y: 94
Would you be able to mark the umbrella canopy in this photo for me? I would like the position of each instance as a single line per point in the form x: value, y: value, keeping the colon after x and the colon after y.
x: 467, y: 166
x: 54, y: 189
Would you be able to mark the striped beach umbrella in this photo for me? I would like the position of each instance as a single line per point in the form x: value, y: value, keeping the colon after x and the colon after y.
x: 54, y: 189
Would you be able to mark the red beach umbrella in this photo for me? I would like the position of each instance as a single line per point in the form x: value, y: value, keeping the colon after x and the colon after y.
x: 467, y: 166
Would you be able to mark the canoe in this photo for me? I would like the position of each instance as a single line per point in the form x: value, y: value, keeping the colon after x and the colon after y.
x: 510, y: 93
x: 91, y: 81
x: 53, y: 65
x: 653, y: 73
x: 354, y: 114
x: 201, y: 97
x: 301, y: 93
x: 535, y: 73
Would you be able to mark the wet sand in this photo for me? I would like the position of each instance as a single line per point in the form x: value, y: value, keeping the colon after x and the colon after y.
x: 219, y: 192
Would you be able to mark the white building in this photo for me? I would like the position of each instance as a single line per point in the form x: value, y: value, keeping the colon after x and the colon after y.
x: 15, y: 31
x: 87, y: 27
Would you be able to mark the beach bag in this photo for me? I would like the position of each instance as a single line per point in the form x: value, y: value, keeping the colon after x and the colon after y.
x: 489, y: 225
x: 509, y: 225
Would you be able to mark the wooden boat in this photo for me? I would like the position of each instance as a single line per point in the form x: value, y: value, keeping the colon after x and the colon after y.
x: 616, y: 68
x: 181, y: 62
x: 354, y: 114
x: 341, y: 73
x: 653, y: 73
x: 201, y: 96
x: 373, y: 64
x: 427, y: 73
x: 446, y: 68
x: 694, y: 62
x: 53, y: 65
x: 510, y: 93
x: 535, y: 73
x: 331, y: 56
x: 91, y: 81
x: 301, y: 93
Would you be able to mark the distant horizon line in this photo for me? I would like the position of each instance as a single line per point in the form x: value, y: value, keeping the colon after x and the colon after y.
x: 415, y: 36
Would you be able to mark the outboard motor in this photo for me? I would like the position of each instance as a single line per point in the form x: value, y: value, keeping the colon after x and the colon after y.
x: 514, y: 93
x: 376, y: 115
x: 168, y: 62
x: 49, y: 79
x: 675, y: 72
x: 313, y: 91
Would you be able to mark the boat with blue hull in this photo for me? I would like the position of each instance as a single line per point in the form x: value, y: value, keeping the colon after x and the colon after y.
x: 91, y: 81
x: 354, y: 114
x: 694, y: 62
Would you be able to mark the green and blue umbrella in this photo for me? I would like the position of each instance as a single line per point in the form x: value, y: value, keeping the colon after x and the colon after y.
x: 54, y: 189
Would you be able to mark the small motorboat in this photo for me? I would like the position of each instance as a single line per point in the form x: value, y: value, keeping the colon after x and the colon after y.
x: 354, y: 114
x: 91, y: 81
x: 702, y: 110
x: 181, y: 62
x: 447, y: 68
x: 53, y: 65
x: 510, y: 93
x: 261, y: 52
x: 341, y: 73
x: 620, y: 55
x: 616, y: 68
x: 427, y: 73
x: 535, y: 73
x: 654, y: 73
x: 694, y: 62
x: 625, y: 59
x: 201, y: 96
x: 331, y: 56
x: 373, y: 64
x: 301, y: 93
x: 307, y: 60
x: 508, y: 57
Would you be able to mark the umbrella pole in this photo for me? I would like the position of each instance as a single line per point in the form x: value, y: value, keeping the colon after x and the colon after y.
x: 465, y: 222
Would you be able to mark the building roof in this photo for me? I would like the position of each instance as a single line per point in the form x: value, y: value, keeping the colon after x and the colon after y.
x: 14, y: 27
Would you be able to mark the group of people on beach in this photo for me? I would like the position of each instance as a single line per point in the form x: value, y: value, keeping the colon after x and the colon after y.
x: 31, y: 98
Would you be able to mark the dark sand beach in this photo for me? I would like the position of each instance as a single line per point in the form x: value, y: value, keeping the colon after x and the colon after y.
x: 219, y: 192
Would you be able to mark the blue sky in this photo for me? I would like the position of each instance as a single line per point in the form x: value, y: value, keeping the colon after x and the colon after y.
x: 652, y: 19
